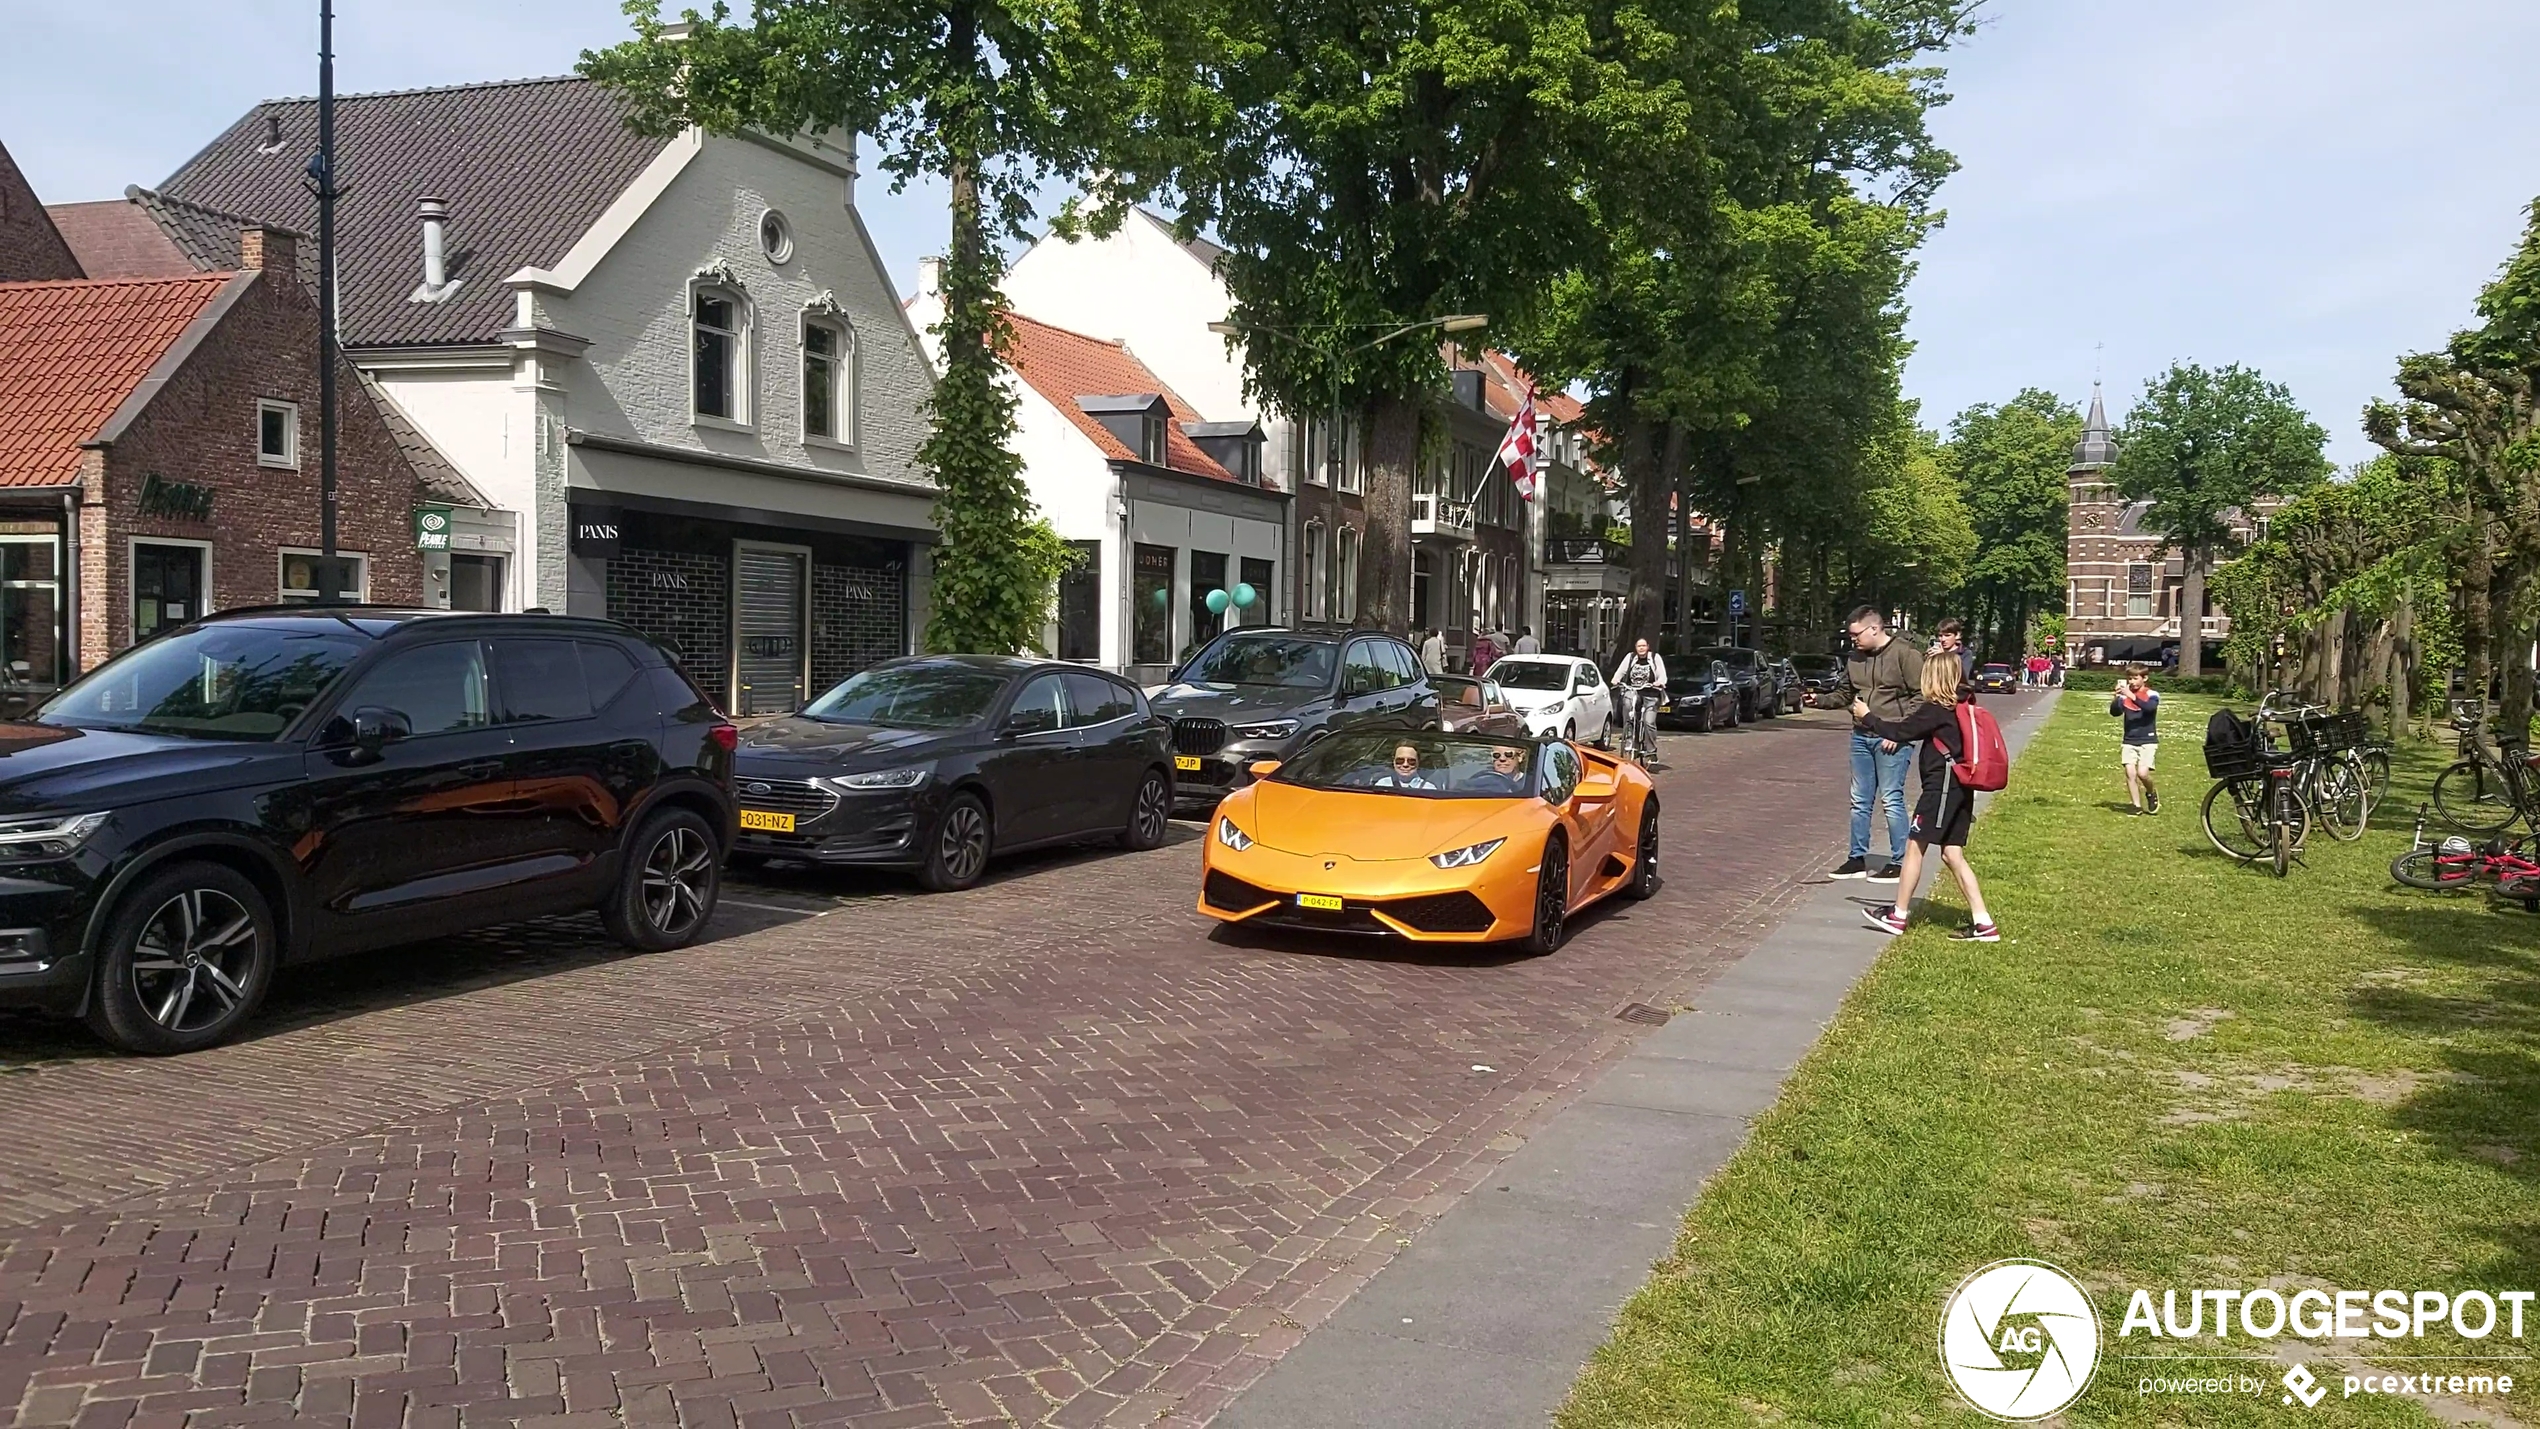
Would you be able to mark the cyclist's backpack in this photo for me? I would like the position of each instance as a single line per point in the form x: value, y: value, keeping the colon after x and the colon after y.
x: 2232, y: 746
x: 1981, y: 761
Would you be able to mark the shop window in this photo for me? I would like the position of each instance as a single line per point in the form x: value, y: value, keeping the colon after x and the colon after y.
x: 1151, y: 597
x: 1080, y: 604
x: 299, y: 576
x: 1208, y: 575
x: 277, y: 433
x: 828, y: 381
x: 1258, y: 574
x: 718, y: 324
x: 31, y: 644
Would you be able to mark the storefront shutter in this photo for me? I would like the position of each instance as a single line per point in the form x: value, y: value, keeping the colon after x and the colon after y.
x: 769, y: 587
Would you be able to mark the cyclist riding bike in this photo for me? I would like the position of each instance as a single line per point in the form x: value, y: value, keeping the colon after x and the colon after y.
x: 1639, y: 682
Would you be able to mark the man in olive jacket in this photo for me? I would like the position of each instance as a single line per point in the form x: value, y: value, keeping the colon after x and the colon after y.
x: 1887, y: 674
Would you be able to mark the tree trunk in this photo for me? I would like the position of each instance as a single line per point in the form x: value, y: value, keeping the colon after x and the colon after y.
x: 1644, y: 599
x: 2191, y: 617
x: 1681, y: 525
x: 2477, y: 618
x: 2509, y: 597
x: 1384, y: 560
x: 2403, y: 665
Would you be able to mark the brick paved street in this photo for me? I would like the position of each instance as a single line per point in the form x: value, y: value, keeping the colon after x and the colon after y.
x: 1041, y: 1152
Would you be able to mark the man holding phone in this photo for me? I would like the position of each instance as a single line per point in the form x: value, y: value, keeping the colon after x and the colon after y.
x: 1886, y: 674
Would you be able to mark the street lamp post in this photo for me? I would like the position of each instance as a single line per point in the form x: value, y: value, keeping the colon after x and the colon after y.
x: 330, y: 578
x: 1335, y: 355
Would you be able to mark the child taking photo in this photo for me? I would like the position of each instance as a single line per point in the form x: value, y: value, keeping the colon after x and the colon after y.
x: 2139, y: 706
x: 1942, y: 817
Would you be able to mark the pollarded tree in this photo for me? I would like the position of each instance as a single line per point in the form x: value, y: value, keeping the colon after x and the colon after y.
x: 2010, y: 462
x: 996, y: 97
x: 2205, y: 447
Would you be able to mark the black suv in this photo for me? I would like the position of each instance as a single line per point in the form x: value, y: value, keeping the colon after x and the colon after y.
x: 268, y: 786
x: 1263, y: 691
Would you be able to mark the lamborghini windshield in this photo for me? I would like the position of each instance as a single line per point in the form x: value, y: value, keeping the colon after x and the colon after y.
x: 1419, y: 765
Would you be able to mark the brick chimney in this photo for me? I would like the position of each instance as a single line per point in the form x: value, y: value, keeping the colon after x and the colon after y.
x: 270, y: 251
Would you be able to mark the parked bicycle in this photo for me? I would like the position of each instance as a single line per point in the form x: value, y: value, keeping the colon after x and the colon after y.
x: 2254, y: 813
x: 2488, y: 788
x: 2329, y: 766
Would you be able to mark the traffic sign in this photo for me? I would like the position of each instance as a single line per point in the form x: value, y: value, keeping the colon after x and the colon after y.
x: 1737, y: 602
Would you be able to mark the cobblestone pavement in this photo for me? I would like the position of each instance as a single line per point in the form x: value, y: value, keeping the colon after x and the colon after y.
x: 1045, y: 1151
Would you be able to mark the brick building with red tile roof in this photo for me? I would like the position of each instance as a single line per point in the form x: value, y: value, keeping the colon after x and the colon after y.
x: 152, y: 465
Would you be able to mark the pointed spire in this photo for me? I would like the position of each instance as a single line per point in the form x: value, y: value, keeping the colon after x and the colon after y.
x: 2097, y: 450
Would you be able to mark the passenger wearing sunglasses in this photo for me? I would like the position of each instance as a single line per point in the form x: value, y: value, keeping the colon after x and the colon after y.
x: 1506, y: 775
x: 1406, y: 771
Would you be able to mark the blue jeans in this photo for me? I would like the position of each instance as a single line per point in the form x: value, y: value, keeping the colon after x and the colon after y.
x: 1881, y: 776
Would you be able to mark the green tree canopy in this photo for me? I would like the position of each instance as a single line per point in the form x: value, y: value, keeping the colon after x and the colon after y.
x: 2205, y: 447
x: 2010, y: 462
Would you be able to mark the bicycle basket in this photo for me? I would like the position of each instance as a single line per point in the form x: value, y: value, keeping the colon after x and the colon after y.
x: 2348, y: 730
x: 2233, y: 746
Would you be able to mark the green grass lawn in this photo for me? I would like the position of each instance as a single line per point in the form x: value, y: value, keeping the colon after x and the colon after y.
x: 2173, y: 1071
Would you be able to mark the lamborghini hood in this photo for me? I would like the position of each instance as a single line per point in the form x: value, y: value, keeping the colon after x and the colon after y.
x: 1367, y: 825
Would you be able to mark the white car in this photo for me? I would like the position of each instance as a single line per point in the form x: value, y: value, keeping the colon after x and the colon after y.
x: 1557, y: 694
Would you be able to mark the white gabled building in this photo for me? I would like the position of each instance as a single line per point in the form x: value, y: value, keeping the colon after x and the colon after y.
x: 1163, y: 506
x: 676, y: 364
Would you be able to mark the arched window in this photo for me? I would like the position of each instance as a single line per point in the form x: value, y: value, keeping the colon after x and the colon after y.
x: 718, y: 361
x: 829, y: 377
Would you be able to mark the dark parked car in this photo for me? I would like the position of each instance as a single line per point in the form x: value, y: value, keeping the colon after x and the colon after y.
x: 1262, y: 692
x: 937, y: 763
x: 1781, y: 682
x: 1475, y: 706
x: 1820, y: 678
x: 267, y: 786
x: 1701, y: 694
x: 1746, y: 667
x: 1997, y: 680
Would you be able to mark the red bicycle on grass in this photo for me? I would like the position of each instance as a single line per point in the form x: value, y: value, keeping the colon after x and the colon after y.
x: 2512, y: 865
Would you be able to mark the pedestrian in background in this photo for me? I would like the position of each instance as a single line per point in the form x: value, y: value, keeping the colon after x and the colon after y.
x: 1485, y: 650
x: 1433, y: 652
x: 1946, y: 811
x: 2140, y: 707
x: 1950, y: 638
x: 1526, y: 642
x: 1886, y: 675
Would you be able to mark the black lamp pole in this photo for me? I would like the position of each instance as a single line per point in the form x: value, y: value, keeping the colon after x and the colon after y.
x: 330, y: 586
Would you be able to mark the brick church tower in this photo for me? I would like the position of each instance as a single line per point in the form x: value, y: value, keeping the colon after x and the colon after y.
x: 2116, y: 594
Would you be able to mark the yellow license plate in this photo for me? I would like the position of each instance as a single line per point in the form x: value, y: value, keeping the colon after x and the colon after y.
x: 1186, y: 761
x: 1323, y: 901
x: 766, y: 822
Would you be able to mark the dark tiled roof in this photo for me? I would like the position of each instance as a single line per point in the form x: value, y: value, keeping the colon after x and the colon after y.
x: 526, y: 165
x: 113, y: 238
x: 208, y: 237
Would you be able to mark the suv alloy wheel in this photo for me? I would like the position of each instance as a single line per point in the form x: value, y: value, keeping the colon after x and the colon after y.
x: 187, y: 956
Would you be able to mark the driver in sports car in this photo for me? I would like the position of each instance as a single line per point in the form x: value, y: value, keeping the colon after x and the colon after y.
x: 1506, y: 774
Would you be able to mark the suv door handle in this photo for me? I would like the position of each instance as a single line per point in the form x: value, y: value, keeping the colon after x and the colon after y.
x: 481, y: 769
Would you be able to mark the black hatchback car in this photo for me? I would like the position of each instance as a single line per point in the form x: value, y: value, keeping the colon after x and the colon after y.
x: 267, y: 786
x: 935, y: 763
x: 1262, y: 692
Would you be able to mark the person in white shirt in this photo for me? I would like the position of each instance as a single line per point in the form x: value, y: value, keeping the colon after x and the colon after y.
x: 1526, y: 642
x: 1405, y: 773
x: 1640, y: 678
x: 1433, y: 653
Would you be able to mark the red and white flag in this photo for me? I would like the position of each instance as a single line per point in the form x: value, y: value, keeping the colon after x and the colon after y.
x: 1517, y: 449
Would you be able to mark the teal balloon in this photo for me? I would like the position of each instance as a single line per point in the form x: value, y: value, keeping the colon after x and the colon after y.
x: 1217, y: 602
x: 1245, y: 596
x: 1161, y: 598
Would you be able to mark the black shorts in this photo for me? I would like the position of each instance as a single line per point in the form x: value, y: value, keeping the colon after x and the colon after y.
x: 1942, y: 815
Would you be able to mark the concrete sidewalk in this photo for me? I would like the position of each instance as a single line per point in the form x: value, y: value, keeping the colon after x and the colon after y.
x: 1489, y: 1315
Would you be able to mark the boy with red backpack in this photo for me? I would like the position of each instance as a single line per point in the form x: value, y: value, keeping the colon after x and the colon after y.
x: 1962, y: 752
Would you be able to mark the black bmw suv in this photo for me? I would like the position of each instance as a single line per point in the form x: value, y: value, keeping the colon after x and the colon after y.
x: 268, y: 786
x: 1261, y: 692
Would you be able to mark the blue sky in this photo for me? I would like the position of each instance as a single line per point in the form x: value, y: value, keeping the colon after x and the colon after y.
x: 2311, y: 187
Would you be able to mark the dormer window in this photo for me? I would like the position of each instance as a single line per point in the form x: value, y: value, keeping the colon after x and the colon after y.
x: 1134, y: 420
x: 1151, y: 439
x: 718, y: 324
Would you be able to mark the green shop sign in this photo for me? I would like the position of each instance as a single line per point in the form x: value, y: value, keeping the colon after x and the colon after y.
x: 432, y: 528
x: 182, y: 500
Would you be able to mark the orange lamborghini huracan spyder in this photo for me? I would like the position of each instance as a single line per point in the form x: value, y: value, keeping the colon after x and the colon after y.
x: 1446, y: 838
